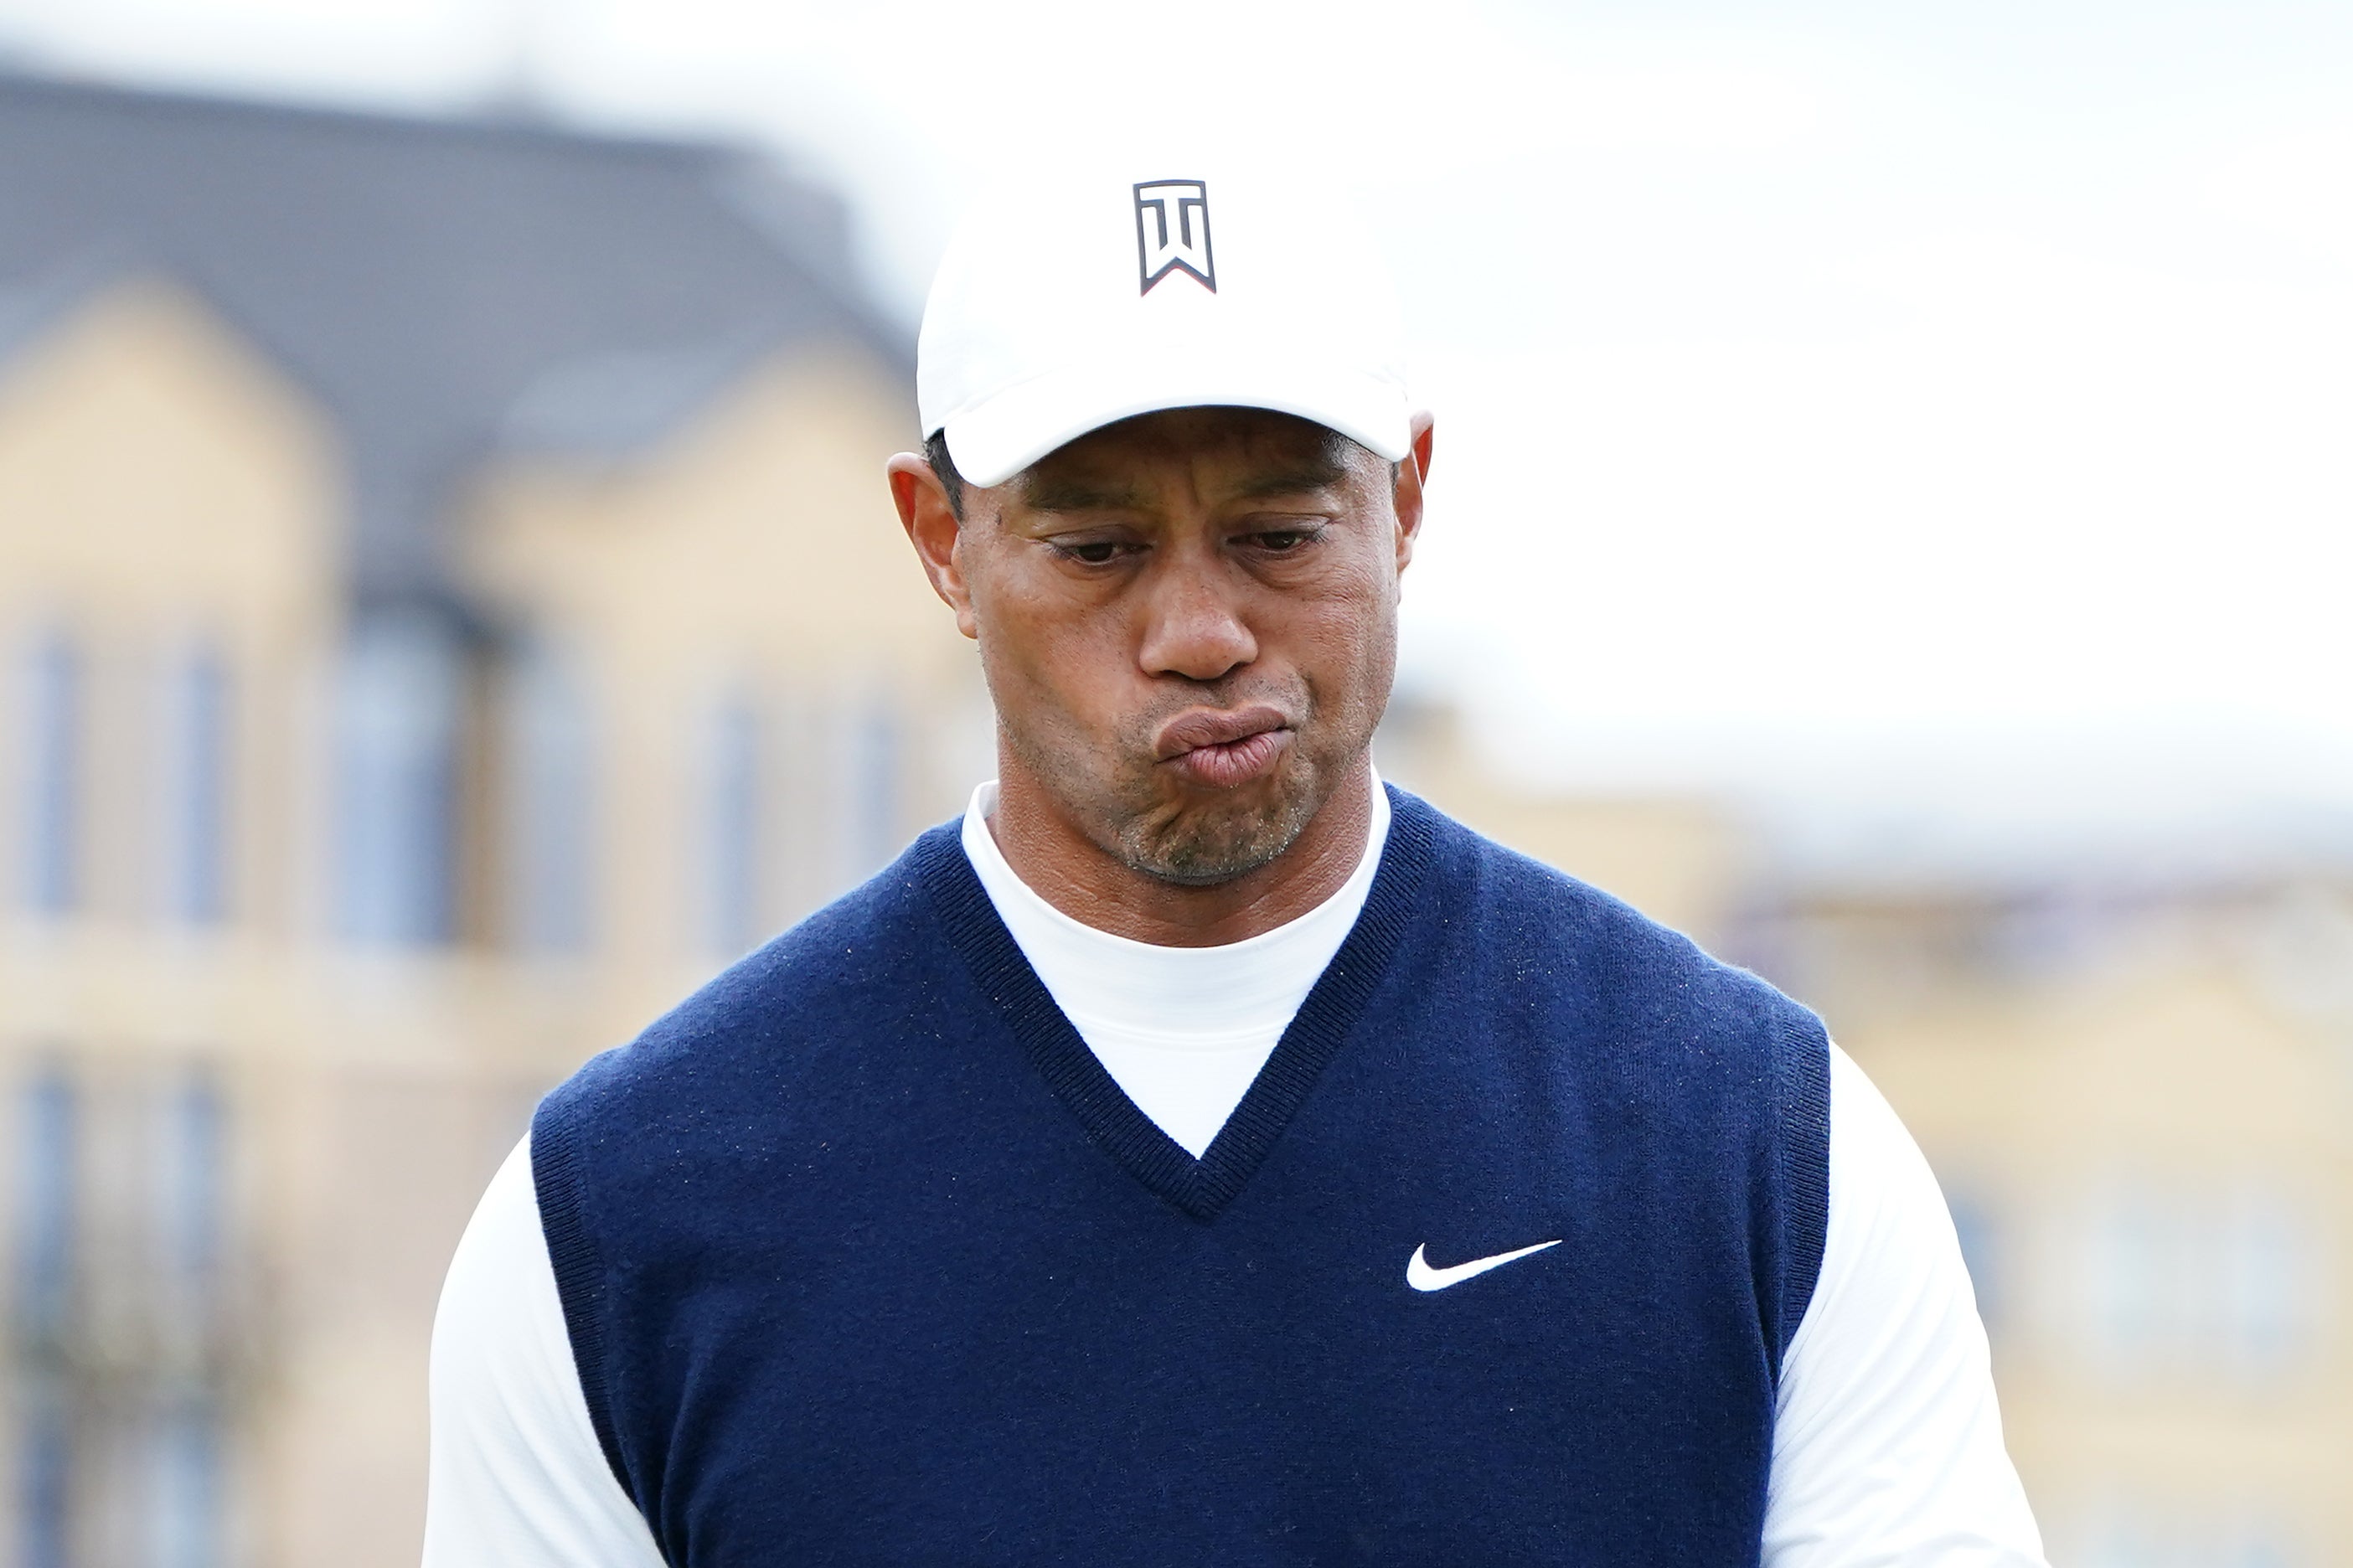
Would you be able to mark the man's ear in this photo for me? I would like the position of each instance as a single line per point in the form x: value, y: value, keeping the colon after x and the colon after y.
x: 933, y: 530
x: 1412, y: 474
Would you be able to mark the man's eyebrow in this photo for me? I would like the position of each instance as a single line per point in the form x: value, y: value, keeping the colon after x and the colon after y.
x: 1313, y: 474
x: 1073, y: 492
x: 1048, y: 493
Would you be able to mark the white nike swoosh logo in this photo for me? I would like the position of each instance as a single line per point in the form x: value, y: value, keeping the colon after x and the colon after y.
x: 1422, y: 1277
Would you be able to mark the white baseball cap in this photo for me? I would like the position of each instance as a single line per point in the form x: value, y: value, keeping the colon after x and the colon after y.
x: 1087, y: 295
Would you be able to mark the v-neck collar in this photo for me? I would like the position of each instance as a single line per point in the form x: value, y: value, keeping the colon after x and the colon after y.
x: 1201, y: 1187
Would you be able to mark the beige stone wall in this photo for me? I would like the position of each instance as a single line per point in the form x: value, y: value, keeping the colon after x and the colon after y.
x: 2152, y: 1118
x: 159, y: 487
x: 160, y: 483
x: 756, y: 554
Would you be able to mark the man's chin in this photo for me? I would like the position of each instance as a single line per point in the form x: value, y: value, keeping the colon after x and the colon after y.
x: 1208, y: 838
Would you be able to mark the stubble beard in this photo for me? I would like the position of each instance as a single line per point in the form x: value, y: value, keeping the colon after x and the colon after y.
x: 1119, y: 799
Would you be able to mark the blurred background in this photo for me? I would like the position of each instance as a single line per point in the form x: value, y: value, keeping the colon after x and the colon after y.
x: 1890, y: 518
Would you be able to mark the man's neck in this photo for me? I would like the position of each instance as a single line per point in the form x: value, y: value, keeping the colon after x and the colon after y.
x: 1071, y: 872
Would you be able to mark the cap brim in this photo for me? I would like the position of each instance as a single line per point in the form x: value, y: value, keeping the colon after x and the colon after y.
x: 997, y: 439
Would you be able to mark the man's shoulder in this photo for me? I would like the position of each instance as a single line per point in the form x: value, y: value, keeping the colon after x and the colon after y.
x: 860, y: 965
x: 1546, y: 924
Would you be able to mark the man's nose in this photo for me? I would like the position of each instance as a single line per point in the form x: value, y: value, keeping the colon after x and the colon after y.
x: 1195, y: 629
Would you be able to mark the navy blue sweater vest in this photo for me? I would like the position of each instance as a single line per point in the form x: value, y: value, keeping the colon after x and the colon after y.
x: 865, y: 1259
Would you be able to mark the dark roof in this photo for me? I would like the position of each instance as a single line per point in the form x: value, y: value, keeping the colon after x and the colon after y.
x: 444, y: 288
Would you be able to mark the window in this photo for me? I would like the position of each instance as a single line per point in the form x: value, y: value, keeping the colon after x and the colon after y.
x: 51, y: 779
x: 2264, y: 1281
x: 185, y: 1488
x: 44, y: 1475
x: 48, y: 1195
x: 121, y: 1432
x: 802, y: 843
x: 552, y: 832
x: 191, y: 1190
x: 838, y: 762
x: 2137, y: 1296
x: 196, y: 788
x: 731, y: 827
x: 2195, y: 1276
x: 874, y: 786
x: 395, y: 741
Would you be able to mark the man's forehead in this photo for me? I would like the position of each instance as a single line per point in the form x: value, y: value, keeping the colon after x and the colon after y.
x: 1243, y: 451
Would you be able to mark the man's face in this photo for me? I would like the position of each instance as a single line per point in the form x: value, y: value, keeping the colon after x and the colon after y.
x: 1188, y: 623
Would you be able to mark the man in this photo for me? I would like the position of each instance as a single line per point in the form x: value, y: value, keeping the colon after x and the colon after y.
x: 1201, y: 1153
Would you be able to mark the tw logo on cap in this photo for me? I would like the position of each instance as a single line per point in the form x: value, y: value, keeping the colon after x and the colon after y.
x: 1172, y: 232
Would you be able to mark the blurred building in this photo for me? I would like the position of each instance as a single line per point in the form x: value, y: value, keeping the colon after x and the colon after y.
x: 2138, y: 1096
x: 449, y: 605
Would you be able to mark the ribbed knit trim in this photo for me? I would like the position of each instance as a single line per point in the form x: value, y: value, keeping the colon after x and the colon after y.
x: 1202, y: 1187
x: 1805, y: 1133
x: 579, y: 1273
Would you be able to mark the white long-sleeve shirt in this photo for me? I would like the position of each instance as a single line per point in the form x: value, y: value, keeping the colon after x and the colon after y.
x: 1887, y: 1448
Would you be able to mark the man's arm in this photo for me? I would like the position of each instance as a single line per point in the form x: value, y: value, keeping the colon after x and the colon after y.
x: 1887, y: 1447
x: 517, y: 1478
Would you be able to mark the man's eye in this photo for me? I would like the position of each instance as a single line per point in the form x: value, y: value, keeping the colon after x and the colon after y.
x: 1279, y: 540
x: 1093, y: 551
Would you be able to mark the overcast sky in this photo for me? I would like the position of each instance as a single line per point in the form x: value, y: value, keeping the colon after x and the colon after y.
x: 1950, y: 410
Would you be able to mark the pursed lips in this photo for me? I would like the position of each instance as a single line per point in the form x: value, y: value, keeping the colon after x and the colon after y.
x: 1224, y: 749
